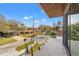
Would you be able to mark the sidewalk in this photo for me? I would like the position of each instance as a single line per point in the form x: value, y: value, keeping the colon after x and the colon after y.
x: 53, y: 47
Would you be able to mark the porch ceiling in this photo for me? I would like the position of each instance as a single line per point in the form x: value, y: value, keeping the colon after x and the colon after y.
x: 59, y: 9
x: 54, y: 9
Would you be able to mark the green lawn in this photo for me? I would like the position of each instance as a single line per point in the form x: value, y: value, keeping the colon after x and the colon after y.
x: 30, y: 35
x: 26, y: 35
x: 4, y: 41
x: 19, y: 48
x: 38, y: 33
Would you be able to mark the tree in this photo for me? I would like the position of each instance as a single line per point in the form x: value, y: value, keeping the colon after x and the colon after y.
x: 7, y: 26
x: 2, y: 23
x: 74, y: 30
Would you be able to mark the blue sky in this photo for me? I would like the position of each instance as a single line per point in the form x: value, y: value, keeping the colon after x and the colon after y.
x: 26, y: 12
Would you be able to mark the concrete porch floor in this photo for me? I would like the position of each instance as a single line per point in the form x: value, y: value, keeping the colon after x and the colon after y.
x: 54, y: 47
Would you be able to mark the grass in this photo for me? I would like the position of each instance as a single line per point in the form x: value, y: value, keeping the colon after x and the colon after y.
x: 35, y: 47
x: 21, y: 47
x: 30, y: 35
x: 38, y: 33
x: 4, y: 41
x: 26, y: 35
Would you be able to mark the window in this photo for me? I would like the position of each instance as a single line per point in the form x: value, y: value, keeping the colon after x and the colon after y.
x: 73, y: 29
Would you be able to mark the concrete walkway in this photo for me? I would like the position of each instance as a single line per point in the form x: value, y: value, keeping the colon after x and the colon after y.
x: 53, y: 47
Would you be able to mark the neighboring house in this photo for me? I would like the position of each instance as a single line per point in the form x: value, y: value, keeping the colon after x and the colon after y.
x: 29, y: 31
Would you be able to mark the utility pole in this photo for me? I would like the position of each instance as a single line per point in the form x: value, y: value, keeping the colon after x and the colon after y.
x: 33, y: 30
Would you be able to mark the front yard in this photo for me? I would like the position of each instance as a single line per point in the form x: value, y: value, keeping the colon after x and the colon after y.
x: 4, y: 41
x: 30, y: 35
x: 26, y: 35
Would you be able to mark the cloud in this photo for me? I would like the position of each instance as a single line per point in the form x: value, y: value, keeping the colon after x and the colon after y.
x: 27, y: 17
x: 30, y: 16
x: 43, y: 20
x: 36, y: 21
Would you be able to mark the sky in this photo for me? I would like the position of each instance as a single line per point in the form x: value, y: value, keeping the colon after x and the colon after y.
x: 26, y: 12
